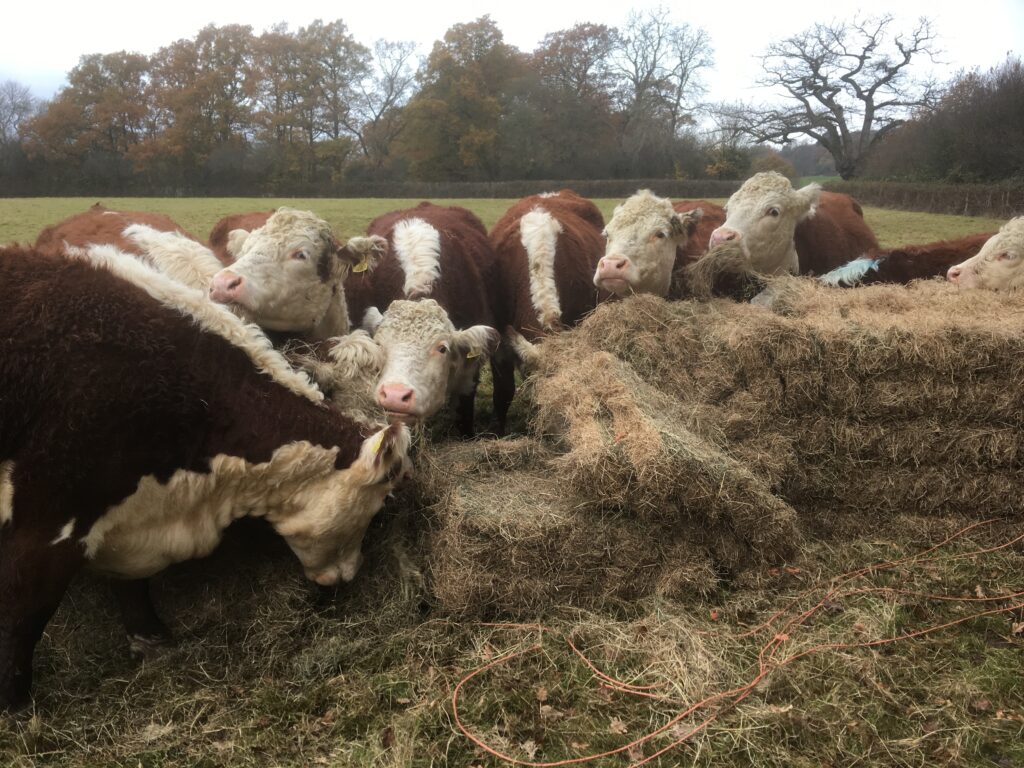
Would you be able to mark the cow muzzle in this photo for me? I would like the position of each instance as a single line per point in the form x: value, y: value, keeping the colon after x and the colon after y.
x: 227, y: 287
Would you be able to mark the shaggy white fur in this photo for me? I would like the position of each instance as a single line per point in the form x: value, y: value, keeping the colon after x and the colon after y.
x: 539, y: 232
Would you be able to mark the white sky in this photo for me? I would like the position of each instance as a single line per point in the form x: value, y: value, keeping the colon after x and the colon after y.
x: 43, y: 40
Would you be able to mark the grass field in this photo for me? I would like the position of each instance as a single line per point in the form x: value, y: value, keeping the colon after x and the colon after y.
x: 269, y: 671
x: 21, y: 219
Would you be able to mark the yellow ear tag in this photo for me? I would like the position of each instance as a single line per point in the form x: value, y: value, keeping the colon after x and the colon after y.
x: 363, y: 265
x: 471, y: 355
x: 378, y: 442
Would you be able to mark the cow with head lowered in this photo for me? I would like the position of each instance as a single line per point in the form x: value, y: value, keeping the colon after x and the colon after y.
x: 998, y: 265
x: 429, y: 304
x: 137, y: 420
x: 547, y: 247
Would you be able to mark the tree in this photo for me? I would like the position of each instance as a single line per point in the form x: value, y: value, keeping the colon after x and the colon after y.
x: 16, y: 106
x: 848, y: 85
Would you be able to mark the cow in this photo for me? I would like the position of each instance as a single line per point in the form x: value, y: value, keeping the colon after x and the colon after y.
x: 137, y: 420
x: 228, y: 233
x: 783, y: 230
x: 547, y: 247
x: 289, y: 273
x: 997, y: 266
x: 906, y: 263
x: 712, y: 216
x: 647, y: 240
x: 430, y: 305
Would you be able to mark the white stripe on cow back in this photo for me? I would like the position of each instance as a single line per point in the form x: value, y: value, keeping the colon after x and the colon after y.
x: 418, y: 248
x: 212, y: 317
x: 6, y: 492
x: 539, y: 232
x: 177, y: 256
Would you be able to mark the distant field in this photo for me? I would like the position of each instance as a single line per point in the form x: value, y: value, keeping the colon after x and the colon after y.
x: 22, y: 218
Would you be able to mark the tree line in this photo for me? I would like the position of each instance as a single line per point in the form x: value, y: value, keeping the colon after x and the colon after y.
x: 306, y: 111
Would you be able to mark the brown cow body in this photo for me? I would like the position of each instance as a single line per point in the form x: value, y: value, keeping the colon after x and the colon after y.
x: 547, y: 248
x: 132, y: 431
x: 220, y: 234
x: 836, y: 234
x: 697, y: 245
x: 100, y: 225
x: 908, y: 262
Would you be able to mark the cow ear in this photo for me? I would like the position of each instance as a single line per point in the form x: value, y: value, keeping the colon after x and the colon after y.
x: 807, y: 198
x: 476, y: 340
x: 682, y: 225
x: 372, y: 319
x: 236, y: 240
x: 363, y: 252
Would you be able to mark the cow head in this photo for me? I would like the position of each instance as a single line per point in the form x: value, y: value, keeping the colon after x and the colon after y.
x: 761, y: 216
x: 425, y: 357
x: 326, y: 529
x: 288, y: 274
x: 643, y: 234
x: 999, y: 265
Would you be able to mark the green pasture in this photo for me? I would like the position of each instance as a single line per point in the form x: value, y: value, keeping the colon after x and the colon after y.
x: 21, y: 219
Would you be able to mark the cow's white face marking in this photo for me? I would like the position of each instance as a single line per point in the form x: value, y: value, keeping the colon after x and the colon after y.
x: 425, y: 353
x: 999, y: 265
x: 641, y: 250
x: 291, y: 274
x: 322, y: 512
x: 418, y: 250
x: 6, y: 492
x: 763, y: 215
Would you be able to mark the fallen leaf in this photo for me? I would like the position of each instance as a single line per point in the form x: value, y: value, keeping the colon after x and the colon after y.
x: 636, y: 752
x: 979, y: 591
x: 980, y: 705
x: 542, y: 694
x: 529, y: 748
x: 155, y: 731
x: 617, y: 726
x: 1017, y: 628
x: 387, y: 737
x: 403, y: 700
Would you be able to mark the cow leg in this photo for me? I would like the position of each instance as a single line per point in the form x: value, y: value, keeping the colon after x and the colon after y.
x: 34, y: 574
x: 146, y: 632
x: 503, y: 373
x: 465, y: 397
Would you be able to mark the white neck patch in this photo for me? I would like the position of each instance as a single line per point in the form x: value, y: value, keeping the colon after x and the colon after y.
x: 210, y: 316
x: 418, y: 248
x: 538, y: 231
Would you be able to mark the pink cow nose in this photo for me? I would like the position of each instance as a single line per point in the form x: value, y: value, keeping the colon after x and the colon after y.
x: 953, y: 275
x: 723, y: 235
x: 226, y: 286
x: 612, y: 268
x: 397, y: 398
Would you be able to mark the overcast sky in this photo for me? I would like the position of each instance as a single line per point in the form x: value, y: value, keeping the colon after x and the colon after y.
x: 44, y: 40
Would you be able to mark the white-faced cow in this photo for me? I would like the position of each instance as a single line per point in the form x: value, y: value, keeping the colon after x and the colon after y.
x: 289, y: 272
x: 906, y: 263
x: 997, y: 266
x: 231, y: 231
x: 785, y: 230
x: 432, y: 348
x: 648, y: 239
x: 137, y: 420
x: 547, y: 248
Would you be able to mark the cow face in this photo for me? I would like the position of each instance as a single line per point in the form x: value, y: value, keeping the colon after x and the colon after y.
x: 761, y: 216
x: 425, y: 357
x: 999, y: 265
x: 288, y: 273
x: 326, y: 532
x: 642, y: 238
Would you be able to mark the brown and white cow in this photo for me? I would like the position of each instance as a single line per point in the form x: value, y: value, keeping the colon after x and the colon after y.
x: 547, y: 248
x: 137, y: 420
x: 289, y: 272
x: 647, y: 240
x: 997, y: 266
x: 785, y: 230
x: 230, y: 232
x: 430, y: 305
x: 908, y: 262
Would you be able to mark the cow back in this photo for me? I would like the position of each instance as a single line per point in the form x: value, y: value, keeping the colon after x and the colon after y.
x: 218, y: 241
x: 101, y: 226
x: 914, y: 262
x: 836, y: 234
x: 697, y: 244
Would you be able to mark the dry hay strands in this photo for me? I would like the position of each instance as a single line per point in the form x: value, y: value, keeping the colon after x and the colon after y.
x: 723, y: 271
x: 626, y: 449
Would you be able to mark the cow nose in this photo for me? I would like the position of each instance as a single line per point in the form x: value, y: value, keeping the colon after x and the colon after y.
x: 723, y: 235
x: 226, y: 286
x: 953, y: 275
x: 612, y: 267
x: 397, y: 398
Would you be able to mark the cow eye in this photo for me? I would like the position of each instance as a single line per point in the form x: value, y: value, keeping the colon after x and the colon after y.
x: 1006, y: 256
x: 300, y: 256
x: 773, y: 212
x: 442, y: 348
x: 660, y: 235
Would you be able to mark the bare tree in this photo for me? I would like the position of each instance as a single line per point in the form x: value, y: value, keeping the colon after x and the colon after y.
x: 374, y: 116
x: 847, y: 83
x: 16, y: 106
